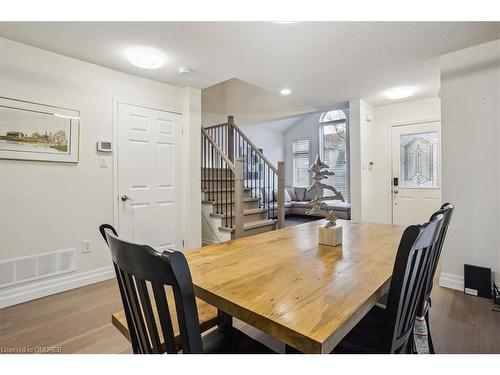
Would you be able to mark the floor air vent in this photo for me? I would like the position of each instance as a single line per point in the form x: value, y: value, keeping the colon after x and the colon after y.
x: 19, y: 270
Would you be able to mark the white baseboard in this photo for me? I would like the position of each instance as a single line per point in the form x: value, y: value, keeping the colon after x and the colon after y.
x: 449, y: 280
x: 452, y: 281
x: 20, y: 294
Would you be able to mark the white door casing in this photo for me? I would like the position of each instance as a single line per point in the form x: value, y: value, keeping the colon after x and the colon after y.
x: 416, y: 163
x: 150, y: 174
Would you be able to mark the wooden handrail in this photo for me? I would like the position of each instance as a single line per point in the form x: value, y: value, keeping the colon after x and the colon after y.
x: 219, y: 151
x: 215, y: 126
x: 255, y: 148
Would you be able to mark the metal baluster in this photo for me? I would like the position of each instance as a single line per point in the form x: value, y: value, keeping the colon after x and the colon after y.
x: 268, y: 185
x: 227, y: 211
x: 272, y: 197
x: 260, y: 182
x: 251, y: 173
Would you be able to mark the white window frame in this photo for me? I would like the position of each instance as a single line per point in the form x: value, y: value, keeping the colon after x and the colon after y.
x: 348, y: 154
x: 295, y: 154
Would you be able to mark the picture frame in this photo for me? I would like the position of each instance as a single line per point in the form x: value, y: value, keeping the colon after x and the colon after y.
x: 38, y: 132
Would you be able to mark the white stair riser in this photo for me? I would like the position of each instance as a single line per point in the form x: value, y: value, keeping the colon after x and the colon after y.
x: 225, y: 222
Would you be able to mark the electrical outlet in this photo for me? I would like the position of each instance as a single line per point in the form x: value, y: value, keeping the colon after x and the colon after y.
x: 86, y: 247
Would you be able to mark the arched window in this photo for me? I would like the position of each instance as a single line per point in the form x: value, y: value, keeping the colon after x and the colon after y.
x: 337, y: 115
x: 334, y: 148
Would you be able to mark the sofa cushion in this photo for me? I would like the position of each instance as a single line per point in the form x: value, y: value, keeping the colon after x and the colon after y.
x: 339, y: 205
x: 288, y: 204
x: 311, y: 194
x: 287, y: 196
x: 291, y: 193
x: 302, y: 204
x: 300, y: 192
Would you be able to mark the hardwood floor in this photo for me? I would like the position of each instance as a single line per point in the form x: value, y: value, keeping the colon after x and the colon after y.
x: 79, y: 321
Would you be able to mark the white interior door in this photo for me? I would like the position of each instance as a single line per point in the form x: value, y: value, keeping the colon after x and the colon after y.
x: 416, y: 172
x: 150, y: 176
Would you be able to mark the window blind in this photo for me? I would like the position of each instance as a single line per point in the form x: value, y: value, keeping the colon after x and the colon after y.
x: 334, y: 149
x: 301, y: 162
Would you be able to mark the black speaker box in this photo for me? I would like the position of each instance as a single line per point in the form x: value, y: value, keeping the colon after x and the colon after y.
x: 477, y: 281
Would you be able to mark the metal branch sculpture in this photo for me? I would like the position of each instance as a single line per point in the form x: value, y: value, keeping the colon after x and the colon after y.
x: 320, y: 172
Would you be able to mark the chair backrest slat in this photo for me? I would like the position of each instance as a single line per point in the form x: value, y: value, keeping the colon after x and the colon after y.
x: 142, y: 288
x: 407, y: 283
x: 136, y: 267
x: 167, y: 328
x: 447, y: 211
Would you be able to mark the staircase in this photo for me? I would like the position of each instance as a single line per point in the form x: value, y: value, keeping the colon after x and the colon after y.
x: 242, y: 192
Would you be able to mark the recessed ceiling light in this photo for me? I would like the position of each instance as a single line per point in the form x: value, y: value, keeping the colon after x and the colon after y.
x: 145, y: 58
x: 400, y: 92
x: 285, y: 92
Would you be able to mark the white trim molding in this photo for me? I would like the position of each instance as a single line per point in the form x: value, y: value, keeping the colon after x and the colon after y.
x: 452, y: 281
x: 25, y: 293
x: 449, y: 280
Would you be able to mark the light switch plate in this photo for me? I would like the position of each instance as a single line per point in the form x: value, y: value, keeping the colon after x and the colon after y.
x: 104, y: 161
x: 86, y: 248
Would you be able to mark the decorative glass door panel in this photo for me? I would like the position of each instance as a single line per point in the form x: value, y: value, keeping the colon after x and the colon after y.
x: 415, y: 178
x: 418, y: 160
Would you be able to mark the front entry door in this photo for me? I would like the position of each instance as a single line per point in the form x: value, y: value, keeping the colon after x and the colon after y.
x: 149, y: 176
x: 416, y: 172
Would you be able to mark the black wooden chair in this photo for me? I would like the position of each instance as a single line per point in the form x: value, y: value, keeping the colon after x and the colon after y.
x: 140, y: 270
x: 425, y: 302
x: 390, y: 330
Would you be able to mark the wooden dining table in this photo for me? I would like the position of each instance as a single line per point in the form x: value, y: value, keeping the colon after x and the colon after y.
x: 283, y: 282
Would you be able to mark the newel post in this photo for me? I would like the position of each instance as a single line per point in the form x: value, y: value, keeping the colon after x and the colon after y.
x: 238, y: 198
x: 281, y: 194
x: 230, y: 138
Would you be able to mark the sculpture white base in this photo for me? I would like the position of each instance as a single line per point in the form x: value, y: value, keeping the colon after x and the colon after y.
x: 330, y: 236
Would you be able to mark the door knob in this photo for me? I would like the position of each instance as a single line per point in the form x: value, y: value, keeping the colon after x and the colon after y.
x: 126, y: 198
x: 395, y: 191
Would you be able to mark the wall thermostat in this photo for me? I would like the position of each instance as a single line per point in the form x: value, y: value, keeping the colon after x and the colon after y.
x: 104, y: 146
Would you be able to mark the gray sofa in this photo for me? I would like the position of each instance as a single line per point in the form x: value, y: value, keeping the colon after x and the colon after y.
x: 298, y: 201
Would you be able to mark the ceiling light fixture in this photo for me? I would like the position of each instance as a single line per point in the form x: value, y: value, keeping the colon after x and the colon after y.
x: 285, y: 92
x: 400, y: 92
x: 185, y: 70
x: 145, y: 58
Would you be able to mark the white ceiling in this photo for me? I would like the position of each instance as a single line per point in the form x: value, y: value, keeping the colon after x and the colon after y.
x: 323, y: 63
x: 281, y: 125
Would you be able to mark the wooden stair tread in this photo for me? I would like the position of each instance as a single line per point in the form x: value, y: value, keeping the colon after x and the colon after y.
x: 248, y: 211
x: 224, y: 201
x: 222, y: 190
x: 207, y: 315
x: 252, y: 225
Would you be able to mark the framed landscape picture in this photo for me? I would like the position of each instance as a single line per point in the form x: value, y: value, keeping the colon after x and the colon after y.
x: 32, y: 131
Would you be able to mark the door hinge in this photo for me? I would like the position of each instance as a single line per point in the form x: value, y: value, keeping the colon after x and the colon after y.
x: 182, y: 243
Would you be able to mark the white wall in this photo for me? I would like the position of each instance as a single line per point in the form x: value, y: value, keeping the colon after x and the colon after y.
x: 470, y: 95
x: 51, y: 206
x: 271, y: 141
x: 248, y: 104
x: 376, y: 148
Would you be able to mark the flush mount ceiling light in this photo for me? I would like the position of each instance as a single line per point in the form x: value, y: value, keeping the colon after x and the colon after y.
x: 145, y: 58
x: 185, y: 70
x: 400, y: 92
x: 285, y: 92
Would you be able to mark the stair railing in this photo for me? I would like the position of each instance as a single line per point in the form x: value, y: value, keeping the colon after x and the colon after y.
x: 222, y: 183
x: 265, y: 181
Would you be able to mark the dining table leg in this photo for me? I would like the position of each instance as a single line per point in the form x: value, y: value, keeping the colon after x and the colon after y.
x: 225, y: 320
x: 291, y: 350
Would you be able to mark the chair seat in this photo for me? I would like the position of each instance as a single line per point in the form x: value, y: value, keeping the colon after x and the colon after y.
x: 207, y: 315
x: 232, y: 341
x: 366, y: 336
